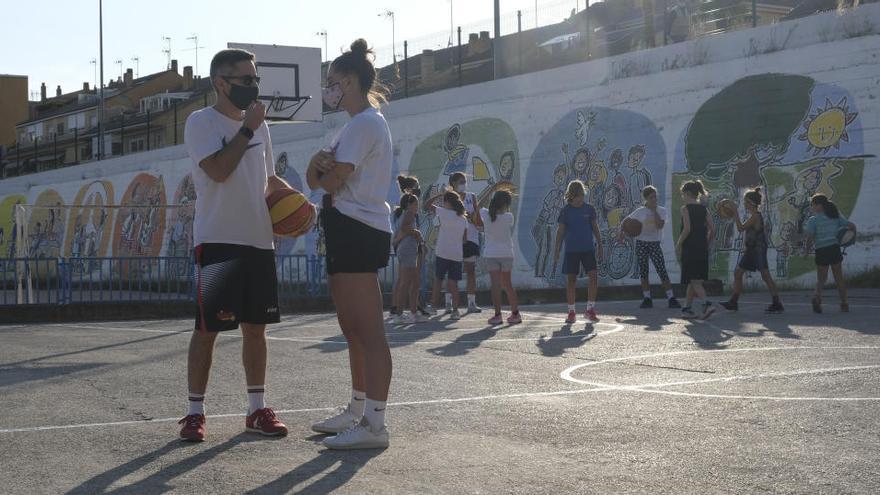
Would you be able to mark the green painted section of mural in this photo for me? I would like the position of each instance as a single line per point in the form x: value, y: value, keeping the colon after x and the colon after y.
x: 786, y: 134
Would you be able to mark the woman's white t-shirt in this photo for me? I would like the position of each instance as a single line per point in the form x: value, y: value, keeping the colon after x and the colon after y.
x: 650, y: 232
x: 450, y: 239
x: 365, y: 142
x: 498, y: 235
x: 233, y: 211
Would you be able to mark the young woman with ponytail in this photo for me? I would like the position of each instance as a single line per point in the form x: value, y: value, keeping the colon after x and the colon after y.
x: 821, y: 230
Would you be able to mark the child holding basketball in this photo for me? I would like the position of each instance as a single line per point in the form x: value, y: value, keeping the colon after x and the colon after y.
x: 448, y: 251
x: 653, y: 218
x: 497, y: 223
x: 822, y: 231
x: 407, y: 240
x: 579, y: 228
x: 692, y: 248
x: 754, y: 258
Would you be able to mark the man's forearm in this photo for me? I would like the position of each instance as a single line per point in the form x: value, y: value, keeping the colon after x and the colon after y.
x: 225, y: 161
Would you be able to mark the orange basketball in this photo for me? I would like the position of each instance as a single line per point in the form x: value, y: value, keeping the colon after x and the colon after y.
x: 727, y: 208
x: 291, y: 213
x: 632, y: 227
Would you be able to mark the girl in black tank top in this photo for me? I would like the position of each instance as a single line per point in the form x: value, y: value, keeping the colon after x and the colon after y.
x: 693, y: 249
x: 754, y: 257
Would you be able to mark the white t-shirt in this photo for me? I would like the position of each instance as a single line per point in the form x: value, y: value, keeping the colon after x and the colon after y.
x: 365, y: 142
x: 499, y: 235
x: 233, y: 211
x: 470, y: 206
x: 449, y: 239
x: 650, y: 232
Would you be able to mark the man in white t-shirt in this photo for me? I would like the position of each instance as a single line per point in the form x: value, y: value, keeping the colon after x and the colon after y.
x: 233, y: 172
x: 653, y: 218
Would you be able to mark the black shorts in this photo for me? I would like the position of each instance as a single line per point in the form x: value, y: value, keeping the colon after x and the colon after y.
x: 573, y: 261
x: 235, y: 284
x: 470, y: 250
x: 829, y: 255
x: 353, y: 246
x: 754, y: 260
x: 444, y: 268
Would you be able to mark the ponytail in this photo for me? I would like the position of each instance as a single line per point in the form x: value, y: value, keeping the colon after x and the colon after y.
x: 407, y: 183
x: 405, y: 200
x: 499, y: 200
x: 754, y: 196
x: 828, y: 206
x: 695, y: 188
x: 455, y: 201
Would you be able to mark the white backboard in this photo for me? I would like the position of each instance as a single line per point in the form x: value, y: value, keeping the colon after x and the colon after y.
x: 290, y: 76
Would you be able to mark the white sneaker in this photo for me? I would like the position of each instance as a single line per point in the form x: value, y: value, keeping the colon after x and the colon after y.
x: 359, y: 436
x: 448, y: 310
x: 431, y: 311
x: 406, y: 319
x: 473, y: 308
x: 454, y: 315
x: 340, y: 421
x: 419, y: 318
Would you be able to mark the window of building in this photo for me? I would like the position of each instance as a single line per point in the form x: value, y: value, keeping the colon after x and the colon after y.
x: 157, y: 141
x: 59, y: 129
x: 116, y: 149
x: 136, y: 145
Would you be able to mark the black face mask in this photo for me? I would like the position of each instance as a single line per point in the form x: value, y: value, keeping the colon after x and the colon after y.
x: 243, y: 96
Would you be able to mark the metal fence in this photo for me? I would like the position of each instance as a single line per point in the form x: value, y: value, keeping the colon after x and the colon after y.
x: 148, y: 280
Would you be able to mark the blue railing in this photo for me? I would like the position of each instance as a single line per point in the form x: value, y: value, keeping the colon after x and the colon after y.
x: 144, y: 279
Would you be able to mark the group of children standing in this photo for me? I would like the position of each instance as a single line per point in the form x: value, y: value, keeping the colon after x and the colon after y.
x: 456, y: 251
x: 578, y: 231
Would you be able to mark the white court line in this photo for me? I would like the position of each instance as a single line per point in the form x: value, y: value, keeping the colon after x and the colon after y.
x: 654, y: 388
x: 319, y: 339
x: 300, y: 411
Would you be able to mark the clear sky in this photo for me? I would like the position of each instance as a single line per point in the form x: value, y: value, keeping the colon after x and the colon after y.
x: 53, y: 41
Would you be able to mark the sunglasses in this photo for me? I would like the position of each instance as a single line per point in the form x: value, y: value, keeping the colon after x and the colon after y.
x: 247, y: 80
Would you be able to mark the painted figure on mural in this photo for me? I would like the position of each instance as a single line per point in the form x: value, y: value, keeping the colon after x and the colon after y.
x: 545, y: 225
x: 639, y: 176
x: 456, y: 153
x: 506, y: 166
x: 616, y: 202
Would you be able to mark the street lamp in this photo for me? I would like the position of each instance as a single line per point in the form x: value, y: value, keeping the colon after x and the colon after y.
x: 390, y: 15
x: 323, y: 34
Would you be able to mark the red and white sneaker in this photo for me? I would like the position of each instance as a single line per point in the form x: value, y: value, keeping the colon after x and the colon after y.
x: 193, y: 428
x: 572, y: 317
x: 264, y: 422
x: 590, y: 314
x: 514, y: 319
x: 496, y: 320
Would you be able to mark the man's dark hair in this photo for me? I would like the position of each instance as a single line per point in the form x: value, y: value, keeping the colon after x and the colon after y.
x: 228, y: 58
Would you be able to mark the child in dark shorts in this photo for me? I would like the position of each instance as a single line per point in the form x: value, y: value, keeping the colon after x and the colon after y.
x: 754, y: 257
x: 821, y: 230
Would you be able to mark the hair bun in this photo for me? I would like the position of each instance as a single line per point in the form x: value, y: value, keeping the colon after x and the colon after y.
x: 360, y: 47
x: 758, y: 190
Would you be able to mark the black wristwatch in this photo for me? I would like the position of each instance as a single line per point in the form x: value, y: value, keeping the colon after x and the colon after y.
x: 246, y: 132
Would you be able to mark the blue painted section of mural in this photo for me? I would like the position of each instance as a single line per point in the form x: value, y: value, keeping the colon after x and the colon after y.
x: 615, y: 153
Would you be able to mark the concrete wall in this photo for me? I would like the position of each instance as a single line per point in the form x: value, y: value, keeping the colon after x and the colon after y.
x: 791, y: 107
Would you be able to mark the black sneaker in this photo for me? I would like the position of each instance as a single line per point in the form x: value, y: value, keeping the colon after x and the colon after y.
x: 688, y: 313
x: 775, y: 308
x: 646, y: 303
x: 817, y: 305
x: 673, y: 303
x: 730, y: 305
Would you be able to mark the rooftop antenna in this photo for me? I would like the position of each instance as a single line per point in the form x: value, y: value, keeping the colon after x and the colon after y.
x: 167, y: 51
x: 121, y: 75
x: 195, y: 39
x: 94, y: 62
x: 137, y: 66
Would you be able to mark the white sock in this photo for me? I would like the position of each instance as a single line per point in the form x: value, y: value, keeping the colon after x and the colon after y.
x: 196, y: 404
x: 256, y: 394
x: 472, y: 299
x: 375, y: 413
x: 669, y: 294
x: 591, y: 305
x: 646, y: 294
x: 571, y: 307
x: 356, y: 405
x: 448, y: 300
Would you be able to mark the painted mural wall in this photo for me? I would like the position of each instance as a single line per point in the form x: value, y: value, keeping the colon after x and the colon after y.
x: 792, y: 108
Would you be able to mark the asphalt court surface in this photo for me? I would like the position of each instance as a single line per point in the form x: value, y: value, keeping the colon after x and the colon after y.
x: 641, y: 402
